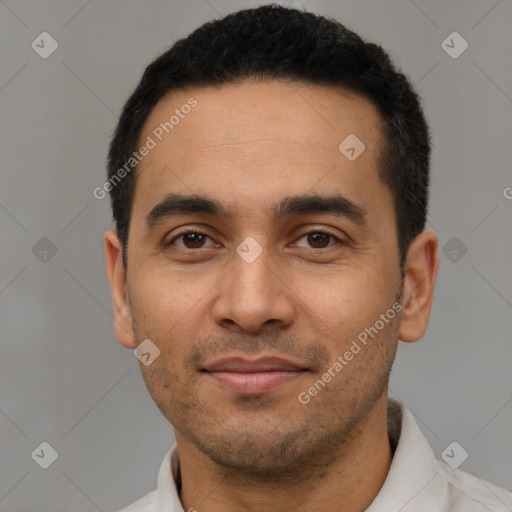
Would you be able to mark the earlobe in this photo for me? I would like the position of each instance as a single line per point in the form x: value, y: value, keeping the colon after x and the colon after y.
x: 421, y: 268
x: 123, y: 324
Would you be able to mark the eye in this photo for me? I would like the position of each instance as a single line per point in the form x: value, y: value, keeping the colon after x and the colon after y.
x: 192, y: 239
x: 320, y: 239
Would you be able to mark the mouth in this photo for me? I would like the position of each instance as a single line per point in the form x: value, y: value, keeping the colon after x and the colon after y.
x: 254, y: 377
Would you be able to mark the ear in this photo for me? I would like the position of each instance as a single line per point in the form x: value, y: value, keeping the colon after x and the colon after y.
x: 123, y: 324
x: 421, y: 268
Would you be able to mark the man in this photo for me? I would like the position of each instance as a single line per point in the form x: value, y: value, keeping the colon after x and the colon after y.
x: 269, y: 181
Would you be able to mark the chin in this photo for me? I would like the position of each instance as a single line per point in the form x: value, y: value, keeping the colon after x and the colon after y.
x: 258, y: 449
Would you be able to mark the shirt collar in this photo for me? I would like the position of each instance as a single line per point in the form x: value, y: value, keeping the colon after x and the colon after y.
x: 167, y: 492
x: 413, y: 481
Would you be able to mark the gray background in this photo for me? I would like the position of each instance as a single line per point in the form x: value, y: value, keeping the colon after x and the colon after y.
x: 64, y: 377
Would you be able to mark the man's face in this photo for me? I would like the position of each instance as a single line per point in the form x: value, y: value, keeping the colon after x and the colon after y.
x: 300, y: 287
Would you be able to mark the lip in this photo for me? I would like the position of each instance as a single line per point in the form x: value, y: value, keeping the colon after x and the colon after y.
x: 245, y: 365
x: 253, y: 377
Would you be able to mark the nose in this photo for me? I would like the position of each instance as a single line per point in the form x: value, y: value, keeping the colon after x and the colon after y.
x: 253, y: 295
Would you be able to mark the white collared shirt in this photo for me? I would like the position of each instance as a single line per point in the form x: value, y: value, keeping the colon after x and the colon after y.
x: 416, y: 481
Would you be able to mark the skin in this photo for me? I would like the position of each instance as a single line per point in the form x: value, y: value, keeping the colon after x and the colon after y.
x: 248, y: 146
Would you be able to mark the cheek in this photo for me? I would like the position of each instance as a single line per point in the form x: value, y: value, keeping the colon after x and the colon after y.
x: 164, y: 311
x: 342, y: 306
x: 170, y: 389
x: 161, y: 300
x: 173, y: 313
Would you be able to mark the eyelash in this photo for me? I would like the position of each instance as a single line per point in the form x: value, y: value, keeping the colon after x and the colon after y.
x: 197, y: 232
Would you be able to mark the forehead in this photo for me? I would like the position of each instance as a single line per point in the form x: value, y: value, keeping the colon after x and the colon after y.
x: 251, y: 143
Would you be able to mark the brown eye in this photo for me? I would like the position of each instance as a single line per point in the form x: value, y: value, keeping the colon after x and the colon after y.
x: 319, y: 239
x: 191, y: 239
x: 195, y: 240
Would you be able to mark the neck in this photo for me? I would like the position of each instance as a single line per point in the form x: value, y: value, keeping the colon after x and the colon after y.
x: 353, y: 477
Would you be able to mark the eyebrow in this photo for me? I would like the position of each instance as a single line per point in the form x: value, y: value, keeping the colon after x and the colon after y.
x: 175, y: 204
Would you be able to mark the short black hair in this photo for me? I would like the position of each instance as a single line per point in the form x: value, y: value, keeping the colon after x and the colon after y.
x: 274, y: 42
